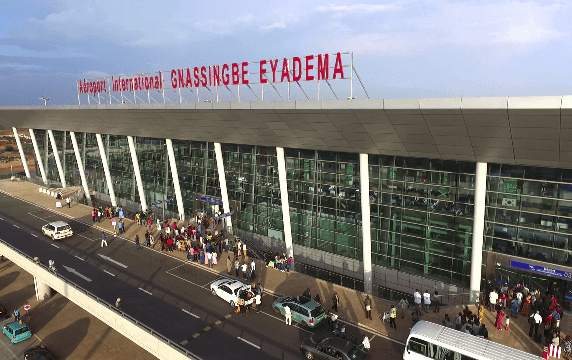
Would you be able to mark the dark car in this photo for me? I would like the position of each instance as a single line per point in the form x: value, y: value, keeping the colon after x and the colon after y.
x: 316, y: 347
x: 40, y: 352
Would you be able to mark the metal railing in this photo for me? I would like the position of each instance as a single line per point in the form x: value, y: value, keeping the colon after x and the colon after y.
x: 111, y: 307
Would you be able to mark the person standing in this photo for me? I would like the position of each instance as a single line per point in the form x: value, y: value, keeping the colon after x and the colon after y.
x: 114, y: 224
x: 244, y: 249
x: 426, y: 300
x: 417, y: 298
x: 335, y: 301
x: 367, y: 303
x: 236, y: 266
x: 436, y: 301
x: 392, y: 316
x: 493, y: 298
x: 403, y: 304
x: 137, y: 243
x: 17, y: 315
x: 365, y: 343
x: 534, y: 323
x: 118, y: 304
x: 244, y: 269
x: 288, y: 315
x: 252, y: 269
x: 103, y: 241
x: 68, y: 201
x: 229, y: 265
x: 120, y: 226
x: 209, y: 259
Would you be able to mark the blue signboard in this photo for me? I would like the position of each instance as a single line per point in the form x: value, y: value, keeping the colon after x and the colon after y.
x: 211, y: 200
x: 541, y: 270
x: 223, y: 216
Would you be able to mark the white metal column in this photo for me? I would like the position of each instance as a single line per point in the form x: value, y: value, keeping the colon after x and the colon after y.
x: 365, y: 222
x: 284, y: 200
x: 478, y: 228
x: 222, y: 182
x: 22, y: 156
x: 175, y: 176
x: 38, y: 156
x: 80, y: 166
x: 137, y: 173
x: 106, y: 169
x: 57, y: 158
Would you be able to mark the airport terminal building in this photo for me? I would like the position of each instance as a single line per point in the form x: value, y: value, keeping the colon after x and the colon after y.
x: 380, y: 195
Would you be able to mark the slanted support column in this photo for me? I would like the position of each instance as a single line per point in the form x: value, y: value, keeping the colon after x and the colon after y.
x: 106, y: 169
x: 175, y: 176
x: 222, y: 182
x: 80, y: 167
x: 478, y: 229
x: 284, y: 200
x: 365, y: 222
x: 137, y: 173
x: 22, y: 156
x: 57, y: 158
x: 38, y: 156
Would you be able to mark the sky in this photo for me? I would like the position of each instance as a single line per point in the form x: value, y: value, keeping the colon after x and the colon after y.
x: 401, y: 49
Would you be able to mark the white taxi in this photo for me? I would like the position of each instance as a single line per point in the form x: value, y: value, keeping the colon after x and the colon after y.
x: 57, y: 230
x: 230, y: 290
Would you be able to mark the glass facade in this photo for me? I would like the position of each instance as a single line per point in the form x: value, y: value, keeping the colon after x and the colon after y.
x: 422, y: 216
x: 421, y: 209
x: 529, y: 212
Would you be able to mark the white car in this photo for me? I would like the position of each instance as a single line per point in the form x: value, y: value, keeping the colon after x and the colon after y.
x: 57, y: 230
x: 231, y: 290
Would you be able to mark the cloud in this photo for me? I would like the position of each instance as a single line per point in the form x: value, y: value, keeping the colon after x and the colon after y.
x: 340, y: 10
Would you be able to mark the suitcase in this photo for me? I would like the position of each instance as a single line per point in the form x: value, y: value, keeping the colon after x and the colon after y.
x: 538, y: 338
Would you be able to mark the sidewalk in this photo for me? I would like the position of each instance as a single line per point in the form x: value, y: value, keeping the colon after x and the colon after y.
x: 351, y: 308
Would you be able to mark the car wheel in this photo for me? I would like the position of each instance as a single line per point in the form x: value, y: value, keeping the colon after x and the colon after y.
x: 44, y: 232
x: 213, y: 291
x: 232, y: 303
x: 309, y: 355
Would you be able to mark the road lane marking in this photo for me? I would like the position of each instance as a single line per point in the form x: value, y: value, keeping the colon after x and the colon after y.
x: 105, y: 271
x: 248, y: 342
x: 36, y: 216
x: 190, y: 313
x: 74, y: 271
x: 16, y: 226
x: 210, y: 282
x: 83, y: 236
x: 113, y: 261
x: 2, y: 219
x: 282, y: 320
x: 79, y: 258
x: 145, y: 291
x: 34, y: 235
x: 54, y: 245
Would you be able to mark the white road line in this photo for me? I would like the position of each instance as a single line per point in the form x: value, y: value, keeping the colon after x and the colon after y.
x: 145, y: 291
x: 79, y: 258
x: 16, y: 226
x: 248, y: 342
x: 34, y: 235
x: 189, y: 281
x: 113, y: 261
x: 36, y: 216
x: 282, y: 320
x: 372, y: 337
x: 54, y: 245
x: 83, y: 236
x: 2, y: 219
x: 190, y: 313
x: 210, y: 282
x: 105, y: 271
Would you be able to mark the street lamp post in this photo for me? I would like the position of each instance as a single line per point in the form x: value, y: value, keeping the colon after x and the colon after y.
x: 45, y: 100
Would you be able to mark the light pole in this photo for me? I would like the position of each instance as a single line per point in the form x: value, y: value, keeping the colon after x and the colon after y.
x: 45, y: 100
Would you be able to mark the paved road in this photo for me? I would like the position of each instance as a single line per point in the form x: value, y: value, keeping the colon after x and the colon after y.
x: 160, y: 291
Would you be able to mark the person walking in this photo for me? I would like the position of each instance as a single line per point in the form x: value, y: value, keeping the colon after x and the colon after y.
x: 236, y: 266
x: 367, y: 304
x: 17, y: 315
x: 288, y: 315
x: 68, y: 201
x: 103, y: 241
x: 392, y: 316
x: 229, y: 265
x: 120, y: 226
x: 244, y: 249
x: 252, y: 269
x: 426, y: 300
x: 335, y: 301
x: 209, y: 259
x: 114, y: 224
x: 137, y: 242
x: 118, y: 304
x: 365, y: 343
x: 244, y: 269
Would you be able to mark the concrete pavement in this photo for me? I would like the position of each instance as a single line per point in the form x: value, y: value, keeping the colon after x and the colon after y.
x: 351, y: 308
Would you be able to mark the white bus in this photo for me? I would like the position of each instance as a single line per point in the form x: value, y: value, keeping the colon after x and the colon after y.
x: 432, y: 341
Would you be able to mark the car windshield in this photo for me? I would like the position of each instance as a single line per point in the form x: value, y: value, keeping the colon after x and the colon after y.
x: 317, y: 311
x: 357, y: 353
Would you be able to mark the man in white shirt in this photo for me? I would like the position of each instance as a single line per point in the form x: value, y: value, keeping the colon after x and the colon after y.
x: 426, y: 300
x: 493, y: 298
x: 252, y: 269
x: 288, y: 315
x: 536, y: 321
x: 365, y: 343
x: 417, y: 298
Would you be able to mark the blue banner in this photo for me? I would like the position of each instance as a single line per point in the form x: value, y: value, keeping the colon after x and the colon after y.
x: 541, y: 270
x: 211, y: 200
x: 223, y: 216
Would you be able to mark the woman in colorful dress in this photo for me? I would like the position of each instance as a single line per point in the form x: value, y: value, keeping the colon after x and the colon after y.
x: 500, y: 316
x: 481, y: 312
x: 526, y: 306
